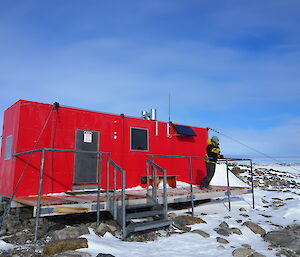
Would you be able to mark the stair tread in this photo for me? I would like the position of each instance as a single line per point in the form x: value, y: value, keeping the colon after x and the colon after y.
x: 143, y: 214
x: 142, y: 205
x: 134, y: 227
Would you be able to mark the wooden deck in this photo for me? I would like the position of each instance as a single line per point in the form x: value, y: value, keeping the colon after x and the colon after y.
x: 59, y: 204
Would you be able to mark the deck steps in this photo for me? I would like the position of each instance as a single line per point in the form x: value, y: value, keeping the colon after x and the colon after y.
x: 140, y: 217
x: 143, y: 214
x: 135, y: 227
x: 141, y: 206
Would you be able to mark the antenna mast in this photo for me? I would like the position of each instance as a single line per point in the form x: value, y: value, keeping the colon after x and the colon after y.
x: 169, y: 107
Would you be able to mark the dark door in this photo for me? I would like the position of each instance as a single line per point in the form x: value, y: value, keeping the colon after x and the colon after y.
x: 86, y: 163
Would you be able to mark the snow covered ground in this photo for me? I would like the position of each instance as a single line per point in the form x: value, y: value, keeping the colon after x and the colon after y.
x: 274, y: 208
x: 268, y: 213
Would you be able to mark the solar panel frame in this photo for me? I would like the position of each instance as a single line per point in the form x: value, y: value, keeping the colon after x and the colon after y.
x: 184, y: 130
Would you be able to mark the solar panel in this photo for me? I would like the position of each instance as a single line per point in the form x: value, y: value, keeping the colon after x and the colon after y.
x: 184, y: 130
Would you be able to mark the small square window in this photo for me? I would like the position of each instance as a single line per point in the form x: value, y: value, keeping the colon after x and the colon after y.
x: 8, y: 146
x: 139, y: 139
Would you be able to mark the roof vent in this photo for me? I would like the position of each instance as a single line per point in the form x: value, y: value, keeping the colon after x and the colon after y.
x: 152, y: 115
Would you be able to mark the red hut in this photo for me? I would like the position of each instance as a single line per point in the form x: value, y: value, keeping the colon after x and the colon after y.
x: 31, y: 125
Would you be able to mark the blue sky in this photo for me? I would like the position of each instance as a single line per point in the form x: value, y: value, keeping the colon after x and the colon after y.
x: 230, y: 65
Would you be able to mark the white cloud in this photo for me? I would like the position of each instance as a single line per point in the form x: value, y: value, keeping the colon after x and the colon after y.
x: 280, y: 140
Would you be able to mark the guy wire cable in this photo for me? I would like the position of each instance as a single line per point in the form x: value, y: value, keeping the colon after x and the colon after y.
x: 251, y: 148
x: 7, y: 208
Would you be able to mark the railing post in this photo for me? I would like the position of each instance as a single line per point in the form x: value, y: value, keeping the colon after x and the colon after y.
x: 228, y: 186
x: 165, y: 194
x: 123, y: 204
x: 147, y: 178
x: 191, y: 184
x: 107, y: 185
x: 99, y: 188
x: 115, y: 194
x: 154, y: 187
x: 38, y: 210
x: 252, y: 183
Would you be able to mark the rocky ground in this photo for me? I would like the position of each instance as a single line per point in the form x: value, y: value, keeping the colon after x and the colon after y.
x: 59, y: 236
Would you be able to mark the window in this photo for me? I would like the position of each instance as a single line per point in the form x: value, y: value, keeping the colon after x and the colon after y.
x: 139, y: 139
x: 8, y: 146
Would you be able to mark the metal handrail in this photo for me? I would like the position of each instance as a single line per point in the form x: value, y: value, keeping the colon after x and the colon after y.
x: 43, y: 150
x: 190, y: 170
x: 227, y: 160
x: 59, y: 150
x: 113, y: 208
x: 155, y: 167
x: 177, y: 156
x: 191, y: 173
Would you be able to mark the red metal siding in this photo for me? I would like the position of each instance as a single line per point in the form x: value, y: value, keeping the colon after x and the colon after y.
x: 114, y: 132
x: 7, y: 167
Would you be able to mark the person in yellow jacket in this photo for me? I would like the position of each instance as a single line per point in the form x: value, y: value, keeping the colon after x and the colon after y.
x: 214, y: 153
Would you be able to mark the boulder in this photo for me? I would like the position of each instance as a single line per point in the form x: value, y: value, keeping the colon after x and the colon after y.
x: 236, y: 170
x: 224, y: 225
x: 172, y: 215
x: 73, y: 254
x: 70, y: 232
x: 104, y: 255
x: 201, y: 232
x: 236, y: 231
x: 256, y: 254
x: 223, y: 231
x: 246, y: 246
x: 182, y: 227
x: 222, y: 240
x: 284, y: 238
x: 142, y: 237
x: 60, y: 246
x: 188, y: 220
x: 103, y: 228
x: 242, y: 252
x: 254, y: 228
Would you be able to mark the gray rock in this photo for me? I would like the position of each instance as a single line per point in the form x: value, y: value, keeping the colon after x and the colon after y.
x: 73, y: 254
x: 242, y: 252
x: 256, y: 254
x: 222, y: 231
x: 246, y: 246
x: 104, y: 255
x: 201, y: 232
x: 187, y: 220
x: 70, y: 232
x: 236, y: 231
x: 295, y: 228
x: 224, y: 225
x: 222, y: 240
x: 245, y: 215
x: 286, y: 253
x: 254, y: 228
x: 60, y: 246
x: 225, y: 230
x: 182, y: 227
x: 103, y: 228
x: 172, y: 215
x: 113, y: 225
x: 284, y: 238
x: 242, y: 209
x: 142, y: 237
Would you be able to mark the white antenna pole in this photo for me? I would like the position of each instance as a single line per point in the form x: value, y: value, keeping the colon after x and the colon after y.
x: 169, y: 107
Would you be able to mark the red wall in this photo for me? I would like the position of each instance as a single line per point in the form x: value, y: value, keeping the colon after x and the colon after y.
x: 25, y: 121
